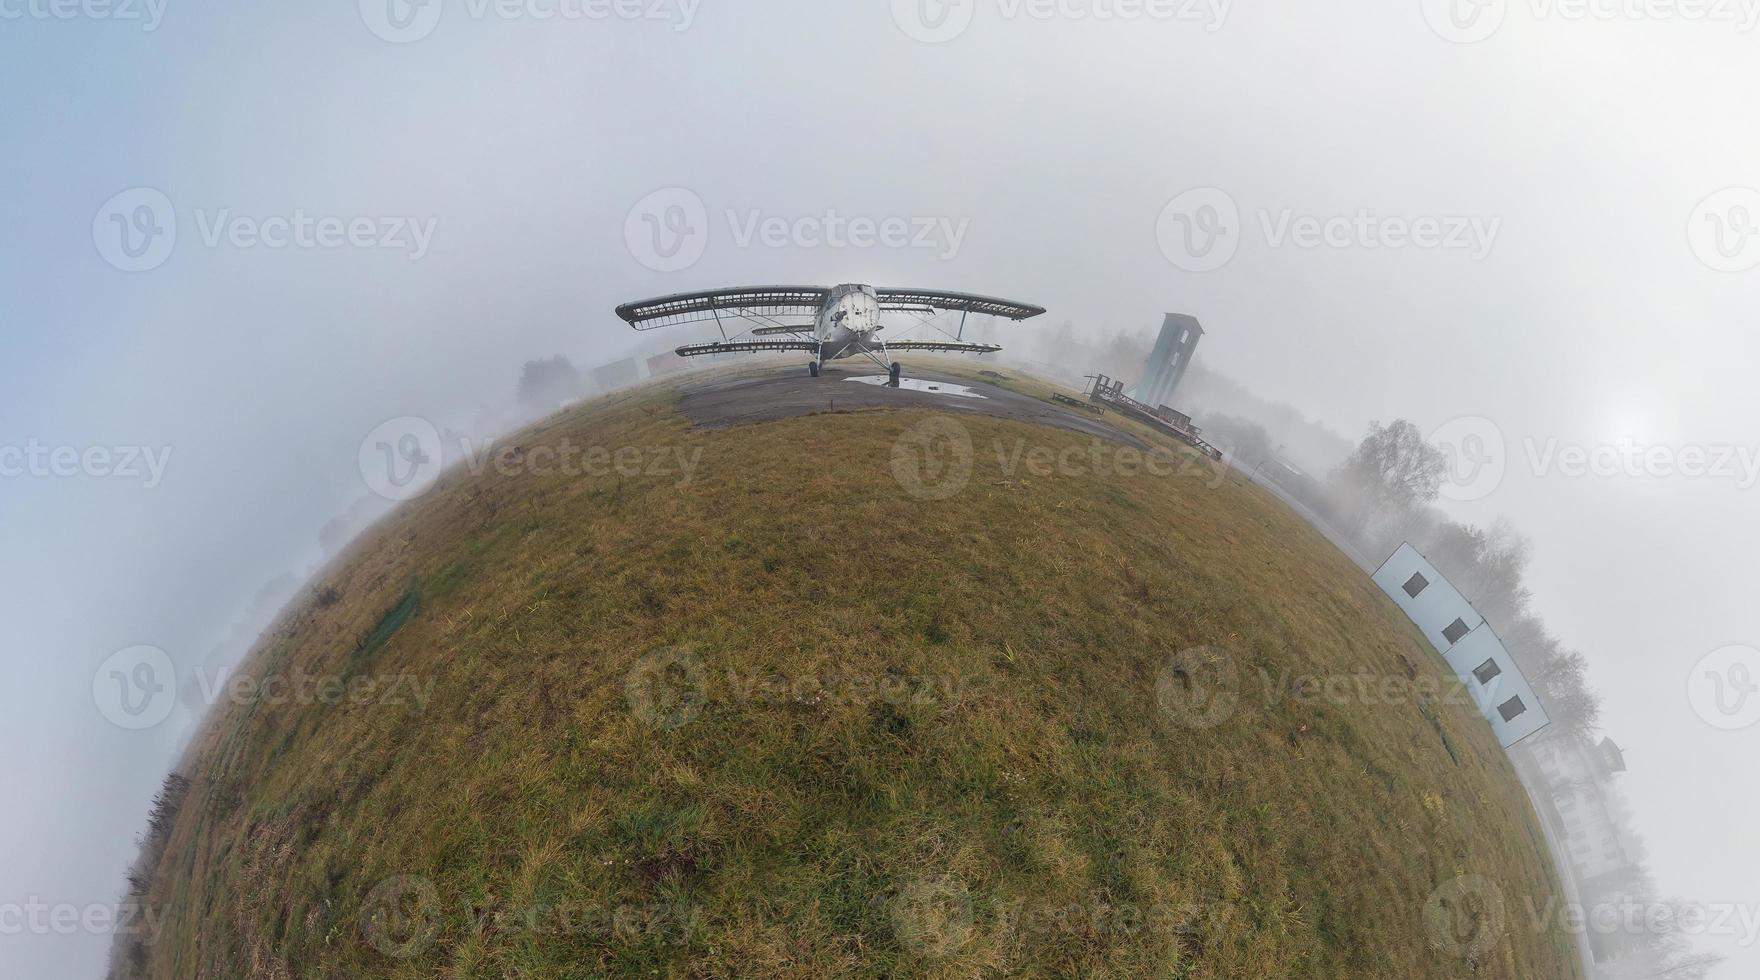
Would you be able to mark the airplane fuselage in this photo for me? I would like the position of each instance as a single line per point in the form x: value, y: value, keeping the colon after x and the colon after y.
x: 848, y: 321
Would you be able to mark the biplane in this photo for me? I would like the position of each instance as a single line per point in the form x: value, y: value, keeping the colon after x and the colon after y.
x: 844, y: 321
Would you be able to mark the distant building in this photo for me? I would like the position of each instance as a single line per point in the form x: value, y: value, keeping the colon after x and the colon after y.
x: 617, y: 374
x: 1290, y: 477
x: 663, y: 364
x: 1581, y: 778
x: 1168, y: 362
x: 1466, y: 641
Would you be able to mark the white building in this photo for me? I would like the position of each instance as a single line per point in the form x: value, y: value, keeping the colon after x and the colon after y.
x: 1580, y: 778
x: 1466, y: 641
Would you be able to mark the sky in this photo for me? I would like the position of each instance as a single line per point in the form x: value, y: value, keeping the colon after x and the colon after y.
x: 239, y: 238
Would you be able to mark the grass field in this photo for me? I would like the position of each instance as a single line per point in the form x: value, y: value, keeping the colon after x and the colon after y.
x: 850, y: 700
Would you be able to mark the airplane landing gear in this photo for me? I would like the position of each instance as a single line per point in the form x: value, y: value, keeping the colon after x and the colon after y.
x: 813, y: 368
x: 892, y: 376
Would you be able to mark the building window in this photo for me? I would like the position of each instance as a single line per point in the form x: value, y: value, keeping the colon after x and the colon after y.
x: 1486, y: 671
x: 1455, y: 631
x: 1416, y: 584
x: 1512, y: 709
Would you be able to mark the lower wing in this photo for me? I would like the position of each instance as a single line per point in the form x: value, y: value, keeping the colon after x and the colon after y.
x: 747, y: 347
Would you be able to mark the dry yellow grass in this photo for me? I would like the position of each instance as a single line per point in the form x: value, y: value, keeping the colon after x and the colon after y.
x: 790, y: 719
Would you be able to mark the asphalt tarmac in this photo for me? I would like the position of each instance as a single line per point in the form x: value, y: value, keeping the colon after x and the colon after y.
x: 789, y: 392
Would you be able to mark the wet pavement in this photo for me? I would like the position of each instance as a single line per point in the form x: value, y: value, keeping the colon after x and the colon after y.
x: 789, y: 392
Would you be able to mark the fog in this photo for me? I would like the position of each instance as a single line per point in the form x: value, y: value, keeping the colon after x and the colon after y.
x: 369, y: 229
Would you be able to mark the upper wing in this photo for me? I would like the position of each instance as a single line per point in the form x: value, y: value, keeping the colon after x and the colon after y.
x: 748, y: 300
x: 936, y: 300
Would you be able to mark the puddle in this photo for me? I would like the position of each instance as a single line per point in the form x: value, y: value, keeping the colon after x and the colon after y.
x: 912, y: 384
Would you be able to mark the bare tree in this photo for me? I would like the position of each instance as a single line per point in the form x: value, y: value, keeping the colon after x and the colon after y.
x: 548, y: 384
x: 1391, y: 473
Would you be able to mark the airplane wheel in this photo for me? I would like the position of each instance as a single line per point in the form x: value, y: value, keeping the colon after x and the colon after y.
x: 892, y: 380
x: 813, y: 369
